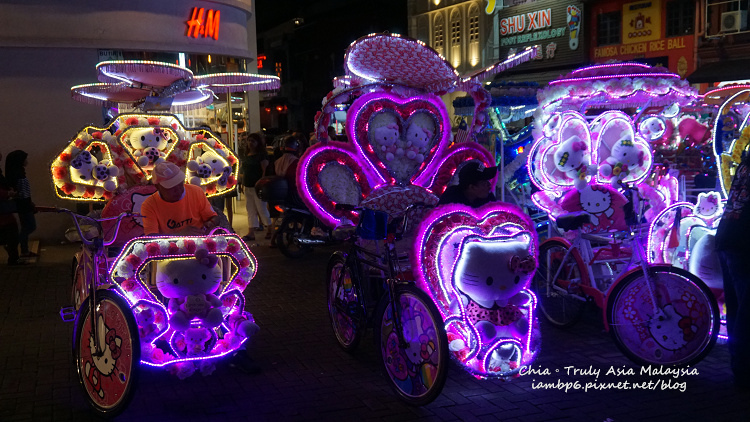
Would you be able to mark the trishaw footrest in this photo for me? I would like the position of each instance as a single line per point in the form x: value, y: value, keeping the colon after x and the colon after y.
x: 68, y: 313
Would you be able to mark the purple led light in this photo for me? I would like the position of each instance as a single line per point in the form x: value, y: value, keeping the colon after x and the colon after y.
x: 436, y: 276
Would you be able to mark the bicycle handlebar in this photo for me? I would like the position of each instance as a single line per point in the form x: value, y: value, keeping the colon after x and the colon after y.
x: 97, y: 222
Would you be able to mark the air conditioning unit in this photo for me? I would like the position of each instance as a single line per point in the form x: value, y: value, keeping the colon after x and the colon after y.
x: 735, y: 21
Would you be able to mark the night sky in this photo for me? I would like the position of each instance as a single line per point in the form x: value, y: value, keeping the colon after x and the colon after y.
x: 389, y: 14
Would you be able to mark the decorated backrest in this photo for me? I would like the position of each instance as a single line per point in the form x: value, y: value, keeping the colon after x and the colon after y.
x: 100, y: 161
x: 400, y: 153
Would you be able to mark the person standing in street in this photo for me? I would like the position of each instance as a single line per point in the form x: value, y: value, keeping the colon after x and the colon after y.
x: 15, y: 173
x: 253, y: 168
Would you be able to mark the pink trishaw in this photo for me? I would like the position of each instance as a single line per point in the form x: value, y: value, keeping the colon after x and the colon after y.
x: 433, y: 283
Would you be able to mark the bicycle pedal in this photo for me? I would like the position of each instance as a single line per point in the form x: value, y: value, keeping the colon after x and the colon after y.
x: 68, y: 313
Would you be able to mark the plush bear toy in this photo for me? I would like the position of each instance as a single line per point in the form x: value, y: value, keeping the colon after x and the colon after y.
x: 385, y: 138
x: 148, y: 145
x: 195, y: 341
x: 189, y: 284
x: 208, y: 165
x: 624, y: 158
x: 572, y: 159
x: 417, y: 139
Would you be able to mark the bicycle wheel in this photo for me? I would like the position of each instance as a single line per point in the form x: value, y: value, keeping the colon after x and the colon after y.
x: 287, y: 238
x: 557, y: 300
x: 108, y: 380
x: 682, y: 330
x: 345, y: 305
x: 417, y: 372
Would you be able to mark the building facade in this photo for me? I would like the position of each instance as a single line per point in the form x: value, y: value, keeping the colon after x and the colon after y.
x: 654, y: 32
x: 48, y: 46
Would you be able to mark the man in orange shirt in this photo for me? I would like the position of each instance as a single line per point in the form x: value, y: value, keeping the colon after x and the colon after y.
x: 176, y: 208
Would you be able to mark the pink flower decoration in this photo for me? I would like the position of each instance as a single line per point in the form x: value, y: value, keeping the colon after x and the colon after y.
x: 96, y: 135
x: 190, y: 246
x: 173, y: 248
x: 210, y: 244
x: 133, y: 260
x: 152, y: 248
x: 131, y: 121
x: 233, y: 246
x: 245, y: 262
x: 68, y: 188
x: 128, y: 285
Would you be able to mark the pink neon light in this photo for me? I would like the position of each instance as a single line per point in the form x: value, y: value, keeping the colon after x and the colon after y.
x: 631, y: 75
x: 426, y: 266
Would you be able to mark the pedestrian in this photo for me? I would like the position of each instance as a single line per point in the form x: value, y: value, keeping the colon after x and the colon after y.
x: 8, y: 224
x: 15, y: 174
x: 332, y: 133
x: 253, y: 168
x: 474, y: 187
x: 732, y: 246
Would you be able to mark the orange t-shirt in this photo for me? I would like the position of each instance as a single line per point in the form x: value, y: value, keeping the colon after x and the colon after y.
x: 161, y: 217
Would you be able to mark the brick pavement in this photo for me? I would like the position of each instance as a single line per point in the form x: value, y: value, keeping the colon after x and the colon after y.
x: 306, y: 376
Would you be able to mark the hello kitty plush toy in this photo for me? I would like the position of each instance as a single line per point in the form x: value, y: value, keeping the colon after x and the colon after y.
x: 148, y: 145
x: 417, y: 139
x: 385, y: 138
x: 490, y: 278
x: 86, y: 169
x: 208, y: 165
x: 189, y: 284
x: 571, y: 157
x: 624, y: 158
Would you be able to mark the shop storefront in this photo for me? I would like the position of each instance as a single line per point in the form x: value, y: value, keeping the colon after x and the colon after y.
x: 654, y: 32
x: 49, y: 46
x: 555, y: 28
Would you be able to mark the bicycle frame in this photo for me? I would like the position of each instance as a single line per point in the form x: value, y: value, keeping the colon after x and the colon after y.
x: 360, y: 258
x: 93, y: 255
x: 598, y: 288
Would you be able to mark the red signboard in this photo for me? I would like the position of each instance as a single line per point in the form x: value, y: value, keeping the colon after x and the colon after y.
x: 204, y: 24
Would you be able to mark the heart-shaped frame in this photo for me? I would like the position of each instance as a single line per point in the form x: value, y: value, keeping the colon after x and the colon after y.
x: 372, y: 111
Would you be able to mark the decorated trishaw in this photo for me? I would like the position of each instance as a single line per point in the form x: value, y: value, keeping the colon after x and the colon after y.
x: 410, y: 270
x: 157, y: 300
x: 683, y: 234
x: 601, y: 137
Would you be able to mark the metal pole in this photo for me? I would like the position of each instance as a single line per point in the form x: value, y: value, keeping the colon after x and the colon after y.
x: 230, y: 124
x: 230, y: 132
